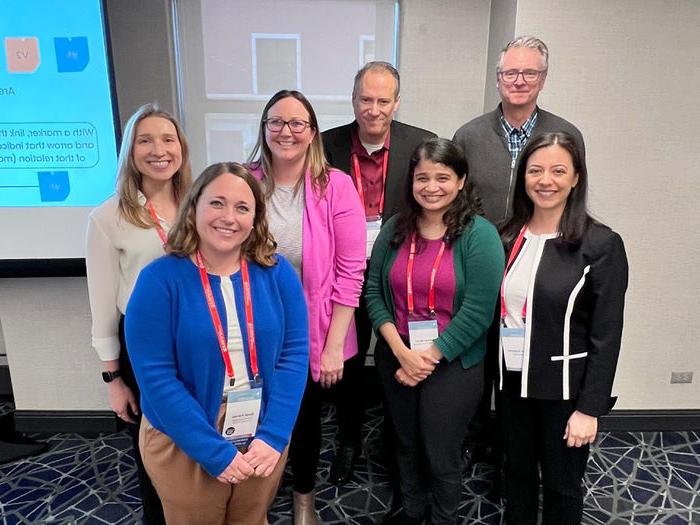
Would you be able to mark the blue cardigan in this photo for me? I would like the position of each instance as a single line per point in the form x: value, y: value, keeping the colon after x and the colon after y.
x: 175, y: 354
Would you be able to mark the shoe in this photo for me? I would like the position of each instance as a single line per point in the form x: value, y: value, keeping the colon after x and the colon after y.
x: 398, y: 516
x: 467, y: 459
x: 343, y: 465
x: 305, y: 509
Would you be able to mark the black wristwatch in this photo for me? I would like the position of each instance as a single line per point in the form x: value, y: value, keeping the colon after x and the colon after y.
x: 108, y: 377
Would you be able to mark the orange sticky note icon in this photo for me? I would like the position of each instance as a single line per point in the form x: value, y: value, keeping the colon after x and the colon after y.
x: 22, y: 54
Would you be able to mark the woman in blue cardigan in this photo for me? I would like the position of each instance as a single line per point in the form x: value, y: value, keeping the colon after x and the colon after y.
x: 218, y: 336
x: 561, y: 314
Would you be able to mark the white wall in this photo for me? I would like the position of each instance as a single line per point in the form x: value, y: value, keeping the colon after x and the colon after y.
x: 46, y: 325
x: 623, y: 71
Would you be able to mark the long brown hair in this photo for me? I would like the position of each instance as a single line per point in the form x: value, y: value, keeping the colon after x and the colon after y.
x: 315, y: 157
x: 129, y: 178
x: 184, y: 239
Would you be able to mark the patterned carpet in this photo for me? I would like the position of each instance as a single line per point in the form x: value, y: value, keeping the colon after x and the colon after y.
x: 632, y: 478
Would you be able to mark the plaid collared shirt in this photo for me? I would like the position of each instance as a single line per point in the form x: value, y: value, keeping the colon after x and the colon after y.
x: 517, y: 138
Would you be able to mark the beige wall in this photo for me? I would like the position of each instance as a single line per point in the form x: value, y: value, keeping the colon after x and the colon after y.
x: 626, y: 72
x: 442, y: 60
x: 623, y: 71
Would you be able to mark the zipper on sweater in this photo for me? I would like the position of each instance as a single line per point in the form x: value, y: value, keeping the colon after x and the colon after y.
x: 510, y: 185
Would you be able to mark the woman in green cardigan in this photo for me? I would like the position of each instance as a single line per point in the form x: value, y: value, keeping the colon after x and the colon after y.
x: 433, y: 282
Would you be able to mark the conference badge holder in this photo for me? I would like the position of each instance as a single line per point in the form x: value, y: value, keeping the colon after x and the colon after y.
x: 421, y: 334
x: 513, y: 344
x: 373, y: 227
x: 242, y: 414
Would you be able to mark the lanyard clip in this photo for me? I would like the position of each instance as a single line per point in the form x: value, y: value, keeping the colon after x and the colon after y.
x: 257, y: 380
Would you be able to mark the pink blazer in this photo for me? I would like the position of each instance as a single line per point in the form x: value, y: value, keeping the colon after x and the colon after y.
x: 333, y: 250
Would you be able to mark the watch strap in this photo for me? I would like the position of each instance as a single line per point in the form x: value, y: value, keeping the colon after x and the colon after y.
x: 108, y: 377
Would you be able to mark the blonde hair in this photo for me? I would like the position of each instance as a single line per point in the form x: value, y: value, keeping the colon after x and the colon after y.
x: 129, y: 178
x: 261, y: 156
x: 183, y: 239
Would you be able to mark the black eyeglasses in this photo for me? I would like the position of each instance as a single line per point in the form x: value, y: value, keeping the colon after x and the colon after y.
x: 530, y: 76
x: 295, y: 125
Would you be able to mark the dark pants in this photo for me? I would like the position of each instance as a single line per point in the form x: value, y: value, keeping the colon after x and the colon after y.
x: 152, y: 508
x: 350, y: 401
x: 349, y: 393
x: 305, y: 447
x: 483, y: 431
x: 430, y: 421
x: 533, y: 441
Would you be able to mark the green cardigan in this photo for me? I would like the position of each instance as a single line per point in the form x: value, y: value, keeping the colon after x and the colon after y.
x: 478, y: 264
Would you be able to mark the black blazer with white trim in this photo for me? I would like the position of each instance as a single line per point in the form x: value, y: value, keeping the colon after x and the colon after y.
x: 575, y: 318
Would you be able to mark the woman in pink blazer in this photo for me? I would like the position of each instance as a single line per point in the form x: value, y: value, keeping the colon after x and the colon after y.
x: 318, y: 222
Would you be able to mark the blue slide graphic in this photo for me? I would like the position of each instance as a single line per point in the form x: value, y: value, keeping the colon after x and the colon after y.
x: 72, y: 54
x: 57, y: 120
x: 54, y: 186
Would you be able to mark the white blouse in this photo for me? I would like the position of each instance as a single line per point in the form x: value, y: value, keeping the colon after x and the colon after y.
x: 116, y: 252
x: 521, y: 277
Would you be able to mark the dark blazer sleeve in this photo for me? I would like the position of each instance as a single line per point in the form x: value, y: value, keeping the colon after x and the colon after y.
x: 608, y: 278
x: 337, y: 144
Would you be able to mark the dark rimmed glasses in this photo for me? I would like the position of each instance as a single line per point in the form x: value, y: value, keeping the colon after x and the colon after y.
x: 530, y: 76
x: 277, y: 124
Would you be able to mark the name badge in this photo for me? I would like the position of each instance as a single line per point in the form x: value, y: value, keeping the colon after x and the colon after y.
x: 513, y: 344
x: 373, y: 228
x: 422, y: 333
x: 242, y: 415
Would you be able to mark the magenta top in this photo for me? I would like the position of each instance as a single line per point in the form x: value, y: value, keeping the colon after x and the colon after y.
x: 427, y: 251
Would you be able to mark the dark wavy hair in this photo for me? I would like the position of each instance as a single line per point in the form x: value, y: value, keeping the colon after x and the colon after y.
x: 575, y: 219
x: 462, y: 210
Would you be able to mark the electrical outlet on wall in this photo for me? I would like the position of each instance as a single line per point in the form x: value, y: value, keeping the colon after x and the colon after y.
x: 681, y: 377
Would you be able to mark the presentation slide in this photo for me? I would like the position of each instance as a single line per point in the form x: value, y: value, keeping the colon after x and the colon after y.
x: 58, y: 151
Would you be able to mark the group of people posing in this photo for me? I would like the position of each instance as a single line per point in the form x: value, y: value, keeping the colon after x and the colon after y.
x: 223, y: 307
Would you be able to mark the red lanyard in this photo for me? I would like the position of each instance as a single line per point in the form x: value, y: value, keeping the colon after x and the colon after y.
x: 433, y: 273
x: 247, y: 299
x: 156, y: 222
x: 513, y: 254
x: 358, y: 179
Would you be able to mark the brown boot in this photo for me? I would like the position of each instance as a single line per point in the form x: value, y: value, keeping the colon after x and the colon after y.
x: 305, y: 509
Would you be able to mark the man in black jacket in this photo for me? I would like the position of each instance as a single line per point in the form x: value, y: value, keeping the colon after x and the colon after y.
x: 375, y: 151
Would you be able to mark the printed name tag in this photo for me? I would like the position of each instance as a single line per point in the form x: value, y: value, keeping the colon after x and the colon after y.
x: 513, y: 343
x: 242, y: 414
x: 422, y: 333
x: 373, y: 228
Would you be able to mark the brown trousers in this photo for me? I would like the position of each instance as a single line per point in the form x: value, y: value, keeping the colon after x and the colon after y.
x: 191, y: 496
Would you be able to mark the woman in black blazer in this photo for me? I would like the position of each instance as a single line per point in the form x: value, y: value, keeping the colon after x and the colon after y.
x: 561, y: 315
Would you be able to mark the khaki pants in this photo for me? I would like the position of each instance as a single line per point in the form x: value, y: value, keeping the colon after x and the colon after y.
x: 191, y: 496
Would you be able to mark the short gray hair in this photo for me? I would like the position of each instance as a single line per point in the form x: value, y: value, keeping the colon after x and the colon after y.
x: 526, y: 41
x: 377, y: 65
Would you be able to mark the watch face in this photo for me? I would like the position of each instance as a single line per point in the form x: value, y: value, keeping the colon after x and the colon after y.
x: 108, y: 377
